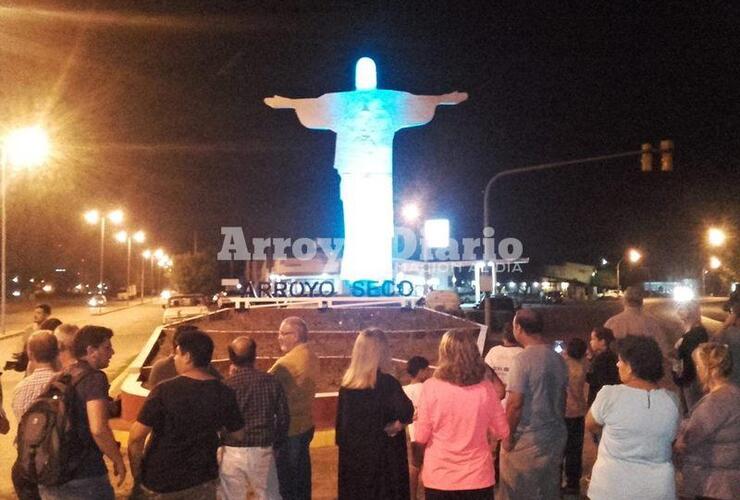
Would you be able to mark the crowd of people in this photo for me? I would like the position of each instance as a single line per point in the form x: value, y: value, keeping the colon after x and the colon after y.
x: 510, y: 424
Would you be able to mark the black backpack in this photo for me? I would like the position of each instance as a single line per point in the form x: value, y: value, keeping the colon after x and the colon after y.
x: 47, y: 454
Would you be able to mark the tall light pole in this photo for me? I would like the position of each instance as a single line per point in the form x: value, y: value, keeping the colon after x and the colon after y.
x: 125, y: 237
x: 24, y: 147
x: 94, y: 217
x: 634, y: 256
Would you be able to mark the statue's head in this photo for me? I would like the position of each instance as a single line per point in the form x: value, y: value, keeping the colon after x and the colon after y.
x: 366, y: 77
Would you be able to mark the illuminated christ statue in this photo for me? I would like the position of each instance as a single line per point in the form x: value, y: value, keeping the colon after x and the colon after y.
x: 365, y: 121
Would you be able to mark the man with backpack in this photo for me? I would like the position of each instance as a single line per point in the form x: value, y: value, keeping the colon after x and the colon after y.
x: 80, y: 471
x: 42, y: 352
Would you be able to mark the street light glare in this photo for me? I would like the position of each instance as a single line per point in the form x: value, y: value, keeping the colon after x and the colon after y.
x: 147, y: 254
x: 121, y: 236
x: 410, y: 212
x: 714, y: 262
x: 634, y: 255
x: 27, y: 147
x: 159, y: 253
x: 92, y: 216
x: 139, y: 237
x: 116, y: 216
x: 716, y: 236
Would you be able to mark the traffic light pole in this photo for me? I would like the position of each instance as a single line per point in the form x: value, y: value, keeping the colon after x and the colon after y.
x: 537, y: 168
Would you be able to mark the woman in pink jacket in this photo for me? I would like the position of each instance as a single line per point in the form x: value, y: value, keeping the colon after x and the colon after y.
x: 458, y: 411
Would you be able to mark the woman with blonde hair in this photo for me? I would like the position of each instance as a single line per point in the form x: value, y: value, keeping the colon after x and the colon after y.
x: 371, y: 411
x: 708, y: 444
x: 458, y: 411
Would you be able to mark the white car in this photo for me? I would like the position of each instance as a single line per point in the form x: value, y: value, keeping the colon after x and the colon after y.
x: 179, y: 307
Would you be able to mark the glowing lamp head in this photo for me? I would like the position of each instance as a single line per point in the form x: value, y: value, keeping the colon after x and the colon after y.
x: 714, y: 262
x: 159, y: 253
x: 366, y: 77
x: 92, y: 216
x: 716, y: 236
x: 634, y: 256
x: 683, y: 294
x: 147, y: 254
x: 116, y: 216
x: 121, y: 236
x: 410, y: 212
x: 139, y: 236
x: 27, y: 147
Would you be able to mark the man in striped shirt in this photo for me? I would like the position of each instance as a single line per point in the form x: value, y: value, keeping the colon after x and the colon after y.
x: 43, y: 351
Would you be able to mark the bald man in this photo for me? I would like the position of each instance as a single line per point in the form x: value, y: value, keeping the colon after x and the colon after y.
x: 297, y: 371
x: 263, y: 405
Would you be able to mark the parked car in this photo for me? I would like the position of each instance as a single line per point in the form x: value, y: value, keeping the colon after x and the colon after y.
x: 179, y: 307
x: 552, y: 297
x: 97, y: 300
x: 503, y: 309
x: 225, y: 298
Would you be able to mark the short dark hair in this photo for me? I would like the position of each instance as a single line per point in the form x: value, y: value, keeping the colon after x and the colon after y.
x: 44, y: 307
x: 179, y: 329
x: 50, y: 324
x: 530, y: 321
x: 90, y: 336
x: 245, y: 358
x: 643, y: 355
x: 605, y: 334
x: 576, y: 348
x: 43, y: 346
x: 416, y: 364
x: 509, y: 333
x: 198, y: 344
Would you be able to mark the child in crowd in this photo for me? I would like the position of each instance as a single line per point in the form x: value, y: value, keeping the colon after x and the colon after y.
x: 603, y: 369
x: 575, y: 411
x: 419, y: 370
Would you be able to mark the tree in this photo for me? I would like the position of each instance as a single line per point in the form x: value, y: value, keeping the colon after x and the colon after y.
x: 195, y: 273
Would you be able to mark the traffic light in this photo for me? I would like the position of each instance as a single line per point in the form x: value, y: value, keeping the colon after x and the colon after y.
x: 666, y: 155
x: 647, y: 157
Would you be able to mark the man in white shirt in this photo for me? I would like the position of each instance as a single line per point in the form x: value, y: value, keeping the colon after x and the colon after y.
x: 501, y: 357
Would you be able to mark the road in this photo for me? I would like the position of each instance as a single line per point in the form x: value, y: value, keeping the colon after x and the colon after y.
x: 131, y: 328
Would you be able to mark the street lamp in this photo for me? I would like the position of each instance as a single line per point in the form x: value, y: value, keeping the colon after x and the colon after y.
x: 634, y: 256
x: 125, y: 237
x: 93, y: 217
x: 410, y: 212
x: 23, y: 147
x: 716, y: 237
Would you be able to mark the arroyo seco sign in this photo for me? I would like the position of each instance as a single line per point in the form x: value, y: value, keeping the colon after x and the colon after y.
x: 326, y: 288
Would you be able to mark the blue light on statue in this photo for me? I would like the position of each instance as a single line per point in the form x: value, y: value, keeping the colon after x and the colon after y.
x: 365, y: 121
x: 366, y: 75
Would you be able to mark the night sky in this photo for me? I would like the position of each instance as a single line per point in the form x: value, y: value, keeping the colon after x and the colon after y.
x: 156, y: 107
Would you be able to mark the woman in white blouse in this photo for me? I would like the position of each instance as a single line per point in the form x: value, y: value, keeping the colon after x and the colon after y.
x: 638, y: 422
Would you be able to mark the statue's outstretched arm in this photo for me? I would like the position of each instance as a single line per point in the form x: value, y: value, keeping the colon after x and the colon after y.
x: 419, y: 109
x: 452, y: 98
x: 279, y: 102
x: 312, y: 112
